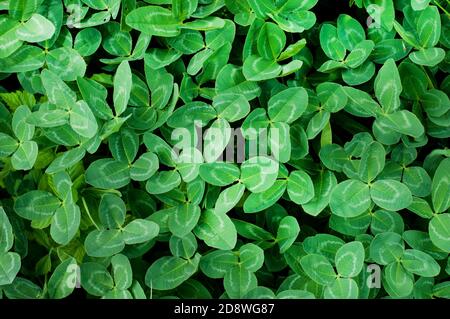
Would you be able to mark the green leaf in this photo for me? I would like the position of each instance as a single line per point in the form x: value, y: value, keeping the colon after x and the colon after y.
x: 65, y: 223
x: 342, y: 288
x: 229, y: 198
x: 350, y: 198
x: 122, y: 87
x: 239, y: 281
x: 139, y: 231
x: 231, y: 107
x: 429, y: 26
x: 87, y: 41
x: 350, y: 32
x: 216, y: 139
x: 169, y: 272
x: 8, y: 145
x: 324, y: 184
x: 95, y: 279
x: 441, y: 187
x: 331, y: 44
x: 288, y: 105
x: 108, y: 173
x: 104, y: 243
x: 251, y: 257
x: 318, y: 268
x: 397, y: 281
x: 183, y: 9
x: 359, y: 54
x: 300, y: 187
x: 25, y: 156
x: 63, y: 280
x: 82, y: 120
x: 372, y: 162
x: 271, y: 41
x: 163, y: 182
x: 216, y: 230
x: 219, y: 173
x: 218, y: 262
x: 257, y: 202
x: 184, y: 219
x: 428, y: 57
x: 439, y: 229
x: 349, y: 259
x: 144, y: 167
x: 22, y: 130
x: 153, y: 20
x: 36, y: 29
x: 420, y: 263
x: 66, y: 160
x: 122, y: 272
x: 388, y: 86
x: 10, y: 266
x: 404, y: 122
x: 256, y: 68
x: 386, y: 248
x: 287, y: 233
x: 36, y: 205
x: 6, y: 235
x: 259, y: 173
x: 111, y: 211
x: 67, y: 63
x: 390, y: 195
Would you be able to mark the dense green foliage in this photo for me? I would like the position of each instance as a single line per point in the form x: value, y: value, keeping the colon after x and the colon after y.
x: 345, y: 193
